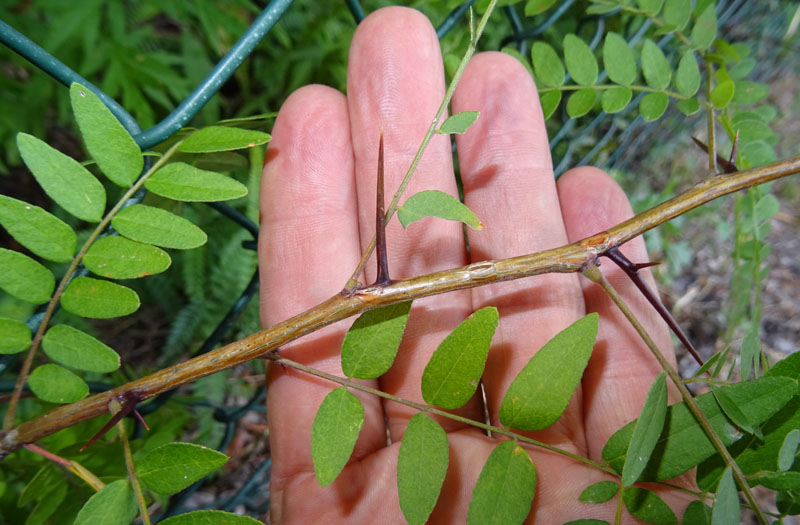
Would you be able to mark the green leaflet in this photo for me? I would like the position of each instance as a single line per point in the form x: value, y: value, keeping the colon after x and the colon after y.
x: 549, y: 102
x: 15, y: 336
x: 75, y: 349
x: 547, y: 65
x: 737, y: 417
x: 580, y: 60
x: 747, y: 93
x: 63, y: 178
x: 371, y: 344
x: 684, y: 445
x: 434, y: 203
x: 722, y: 94
x: 120, y: 258
x: 581, y: 102
x: 56, y: 384
x: 616, y: 99
x: 587, y: 521
x: 109, y: 144
x: 726, y: 508
x: 705, y: 28
x: 46, y: 507
x: 505, y: 488
x: 653, y: 105
x: 40, y: 485
x: 209, y: 517
x: 535, y: 7
x: 599, y: 492
x: 39, y: 231
x: 334, y: 433
x: 688, y: 107
x: 697, y: 513
x: 648, y: 429
x: 183, y: 182
x: 677, y: 13
x: 25, y: 278
x: 541, y: 391
x: 156, y: 226
x: 115, y: 504
x: 222, y: 138
x: 618, y: 59
x: 172, y: 467
x: 98, y: 299
x: 647, y: 506
x: 788, y: 451
x: 687, y: 78
x: 458, y: 123
x: 655, y: 67
x: 650, y: 7
x: 421, y: 467
x: 789, y: 480
x: 455, y: 368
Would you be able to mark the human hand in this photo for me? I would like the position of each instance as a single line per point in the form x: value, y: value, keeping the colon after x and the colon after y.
x: 318, y: 215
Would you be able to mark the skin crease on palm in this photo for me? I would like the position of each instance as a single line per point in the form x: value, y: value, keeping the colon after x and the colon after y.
x: 318, y: 215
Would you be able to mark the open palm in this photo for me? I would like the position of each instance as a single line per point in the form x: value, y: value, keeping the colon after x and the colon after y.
x: 318, y: 214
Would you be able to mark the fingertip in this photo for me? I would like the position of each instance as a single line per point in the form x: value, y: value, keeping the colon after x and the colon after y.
x: 591, y: 201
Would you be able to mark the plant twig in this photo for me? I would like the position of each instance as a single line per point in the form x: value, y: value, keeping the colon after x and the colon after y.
x: 8, y: 422
x: 565, y: 259
x: 593, y: 273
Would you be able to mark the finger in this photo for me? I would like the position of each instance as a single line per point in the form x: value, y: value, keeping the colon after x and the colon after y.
x: 508, y: 181
x: 622, y: 368
x: 395, y: 83
x: 307, y: 245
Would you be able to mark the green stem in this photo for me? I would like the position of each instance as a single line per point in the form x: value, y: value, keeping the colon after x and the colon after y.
x: 592, y: 272
x: 273, y: 356
x: 658, y: 23
x: 8, y: 422
x: 712, y: 146
x: 646, y: 89
x: 114, y: 407
x: 352, y: 283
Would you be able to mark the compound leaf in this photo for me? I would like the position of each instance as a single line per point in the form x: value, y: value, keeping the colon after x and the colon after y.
x: 618, y: 59
x: 98, y: 299
x: 648, y: 429
x: 580, y: 60
x: 599, y: 492
x: 334, y: 433
x: 172, y: 467
x: 505, y: 488
x: 454, y: 370
x: 63, y: 178
x: 183, y: 182
x: 39, y: 231
x: 75, y: 349
x: 581, y: 102
x: 434, y: 203
x: 55, y: 384
x: 421, y: 467
x: 15, y: 336
x: 542, y: 390
x: 655, y: 67
x: 371, y: 344
x: 547, y: 65
x: 25, y: 278
x: 114, y: 504
x: 109, y: 144
x: 648, y: 506
x: 458, y: 123
x: 615, y: 99
x: 156, y: 226
x: 705, y: 28
x: 653, y: 105
x: 222, y: 138
x: 121, y: 258
x: 209, y: 517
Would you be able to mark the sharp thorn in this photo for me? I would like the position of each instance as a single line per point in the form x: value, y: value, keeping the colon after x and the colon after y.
x: 126, y: 409
x: 641, y: 266
x: 140, y: 419
x: 727, y: 166
x: 734, y: 149
x: 380, y: 225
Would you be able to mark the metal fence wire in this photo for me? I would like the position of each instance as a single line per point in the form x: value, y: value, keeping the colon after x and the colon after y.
x: 576, y: 142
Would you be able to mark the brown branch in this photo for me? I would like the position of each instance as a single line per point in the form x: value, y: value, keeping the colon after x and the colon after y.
x: 569, y: 258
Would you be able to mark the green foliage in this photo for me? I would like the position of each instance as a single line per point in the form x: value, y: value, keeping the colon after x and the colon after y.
x: 371, y: 344
x: 183, y: 182
x: 458, y: 123
x: 647, y: 506
x: 115, y: 504
x: 24, y: 278
x: 421, y: 466
x: 209, y: 517
x: 646, y: 432
x: 435, y: 203
x: 222, y: 138
x: 157, y: 226
x: 599, y: 492
x: 172, y: 467
x: 55, y: 384
x: 15, y: 336
x: 726, y: 507
x: 334, y: 433
x: 37, y: 230
x: 75, y: 349
x: 98, y: 299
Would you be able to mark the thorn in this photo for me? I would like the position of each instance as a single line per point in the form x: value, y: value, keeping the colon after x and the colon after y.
x: 128, y: 401
x: 632, y: 271
x: 727, y: 166
x: 641, y: 266
x: 140, y: 419
x: 734, y: 149
x: 380, y: 225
